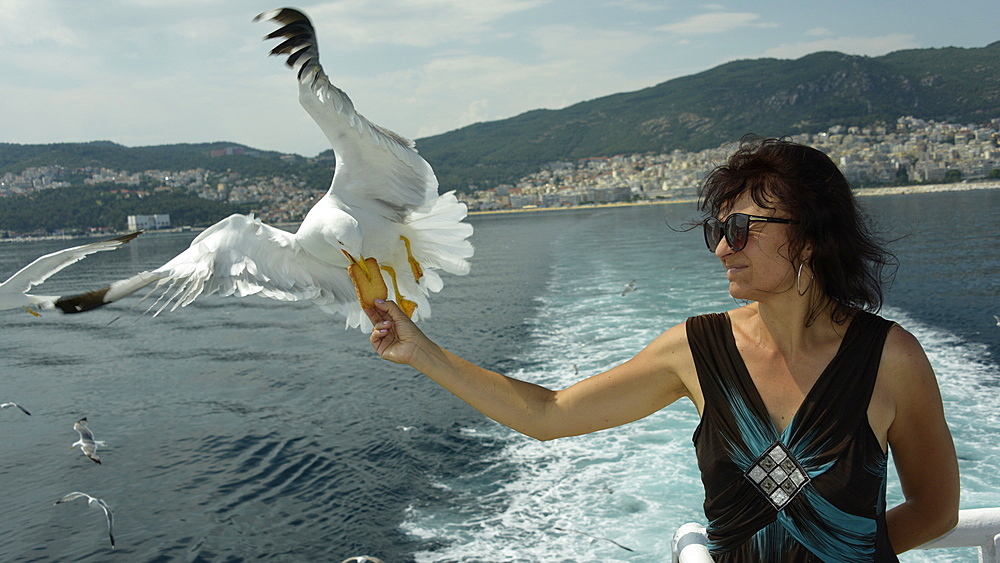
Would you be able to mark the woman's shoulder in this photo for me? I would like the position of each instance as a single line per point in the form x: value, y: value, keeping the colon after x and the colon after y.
x: 904, y: 363
x: 901, y: 346
x: 735, y: 315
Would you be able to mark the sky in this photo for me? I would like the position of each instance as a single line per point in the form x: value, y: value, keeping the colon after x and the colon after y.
x: 154, y: 72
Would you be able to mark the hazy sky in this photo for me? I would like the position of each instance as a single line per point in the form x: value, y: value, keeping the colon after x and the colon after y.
x: 151, y: 72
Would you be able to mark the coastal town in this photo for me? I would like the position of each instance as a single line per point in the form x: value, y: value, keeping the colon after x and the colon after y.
x: 909, y: 152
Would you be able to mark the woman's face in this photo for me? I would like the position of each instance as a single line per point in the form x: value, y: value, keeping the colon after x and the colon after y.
x: 763, y: 267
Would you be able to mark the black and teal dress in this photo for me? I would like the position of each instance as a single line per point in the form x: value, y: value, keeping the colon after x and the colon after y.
x: 816, y: 490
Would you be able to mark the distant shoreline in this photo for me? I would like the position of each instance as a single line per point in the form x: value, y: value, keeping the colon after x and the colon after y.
x: 860, y: 192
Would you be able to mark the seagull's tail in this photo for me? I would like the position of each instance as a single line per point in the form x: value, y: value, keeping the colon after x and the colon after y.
x: 100, y: 297
x: 440, y: 239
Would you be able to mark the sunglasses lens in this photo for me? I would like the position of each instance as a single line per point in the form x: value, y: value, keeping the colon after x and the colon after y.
x: 737, y: 229
x: 713, y: 233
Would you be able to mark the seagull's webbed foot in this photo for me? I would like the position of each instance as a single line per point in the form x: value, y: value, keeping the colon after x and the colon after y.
x: 368, y: 282
x: 405, y: 304
x: 418, y: 272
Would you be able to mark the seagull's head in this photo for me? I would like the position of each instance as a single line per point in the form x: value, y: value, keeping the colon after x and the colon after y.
x: 346, y: 231
x: 352, y: 247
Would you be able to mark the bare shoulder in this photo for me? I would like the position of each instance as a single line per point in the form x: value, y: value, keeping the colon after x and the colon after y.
x: 903, y: 358
x: 908, y: 374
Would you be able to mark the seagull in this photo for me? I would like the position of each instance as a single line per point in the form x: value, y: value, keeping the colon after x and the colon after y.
x: 14, y: 291
x: 629, y: 288
x: 98, y: 503
x: 9, y: 404
x: 86, y: 442
x: 362, y: 559
x: 382, y: 213
x: 593, y: 538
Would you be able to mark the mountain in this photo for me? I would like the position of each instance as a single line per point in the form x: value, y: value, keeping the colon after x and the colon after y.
x: 105, y: 154
x: 763, y: 96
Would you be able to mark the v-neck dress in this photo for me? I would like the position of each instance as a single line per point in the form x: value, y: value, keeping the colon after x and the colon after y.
x: 812, y: 492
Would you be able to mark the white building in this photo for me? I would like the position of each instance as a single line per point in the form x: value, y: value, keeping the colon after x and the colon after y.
x: 148, y: 222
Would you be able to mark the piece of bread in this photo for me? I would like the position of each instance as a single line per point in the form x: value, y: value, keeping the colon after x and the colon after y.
x: 368, y: 282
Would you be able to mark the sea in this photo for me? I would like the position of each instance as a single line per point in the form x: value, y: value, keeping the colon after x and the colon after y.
x: 252, y: 430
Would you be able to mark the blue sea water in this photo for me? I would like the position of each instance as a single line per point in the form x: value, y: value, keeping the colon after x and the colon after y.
x: 241, y: 429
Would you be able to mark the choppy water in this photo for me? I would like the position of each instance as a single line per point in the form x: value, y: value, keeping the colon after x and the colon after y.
x: 245, y: 429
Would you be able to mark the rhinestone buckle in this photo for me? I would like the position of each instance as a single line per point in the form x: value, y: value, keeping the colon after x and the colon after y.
x: 777, y: 475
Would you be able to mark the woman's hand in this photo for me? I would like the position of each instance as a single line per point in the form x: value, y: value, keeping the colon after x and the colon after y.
x: 395, y: 337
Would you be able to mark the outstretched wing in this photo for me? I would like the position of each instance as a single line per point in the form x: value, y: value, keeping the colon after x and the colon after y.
x: 72, y: 496
x: 110, y: 517
x: 85, y: 434
x: 42, y: 268
x: 376, y: 168
x: 13, y: 404
x: 242, y: 256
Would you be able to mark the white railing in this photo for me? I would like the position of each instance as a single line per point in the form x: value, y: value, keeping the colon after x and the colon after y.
x: 977, y: 527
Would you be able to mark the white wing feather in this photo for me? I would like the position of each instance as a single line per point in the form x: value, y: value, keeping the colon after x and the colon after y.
x: 376, y: 168
x: 242, y: 256
x: 12, y: 291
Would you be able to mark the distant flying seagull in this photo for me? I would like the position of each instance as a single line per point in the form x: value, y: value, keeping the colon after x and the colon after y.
x: 96, y: 503
x: 86, y: 441
x: 14, y: 291
x: 593, y: 538
x: 382, y: 213
x: 629, y: 288
x: 362, y: 559
x: 24, y: 410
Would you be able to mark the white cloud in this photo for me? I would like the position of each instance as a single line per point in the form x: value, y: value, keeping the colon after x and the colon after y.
x: 588, y: 47
x: 29, y: 23
x: 638, y: 5
x: 869, y: 46
x: 416, y: 23
x: 818, y: 31
x: 714, y: 23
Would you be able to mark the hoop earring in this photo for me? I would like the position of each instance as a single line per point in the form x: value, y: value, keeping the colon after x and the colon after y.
x: 798, y: 280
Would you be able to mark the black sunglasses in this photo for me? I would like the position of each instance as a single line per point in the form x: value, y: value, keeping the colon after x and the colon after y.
x: 736, y: 229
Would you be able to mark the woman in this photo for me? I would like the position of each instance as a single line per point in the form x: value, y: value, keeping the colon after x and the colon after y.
x: 801, y: 392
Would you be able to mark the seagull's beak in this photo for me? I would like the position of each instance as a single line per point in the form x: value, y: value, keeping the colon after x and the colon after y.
x: 28, y: 309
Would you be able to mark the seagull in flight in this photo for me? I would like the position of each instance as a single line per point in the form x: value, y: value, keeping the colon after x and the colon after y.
x: 629, y: 288
x: 14, y: 291
x: 86, y: 442
x: 381, y: 215
x: 96, y: 503
x: 9, y: 404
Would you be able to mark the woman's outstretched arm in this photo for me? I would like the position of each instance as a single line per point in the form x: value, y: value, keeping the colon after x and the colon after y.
x: 648, y: 382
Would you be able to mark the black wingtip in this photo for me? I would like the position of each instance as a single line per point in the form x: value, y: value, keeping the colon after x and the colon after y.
x: 125, y: 239
x: 82, y: 302
x: 283, y: 15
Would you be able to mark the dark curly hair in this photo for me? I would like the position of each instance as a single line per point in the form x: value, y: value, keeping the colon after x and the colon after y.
x: 848, y: 261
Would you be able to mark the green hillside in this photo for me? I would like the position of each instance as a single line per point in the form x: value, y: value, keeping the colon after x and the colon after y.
x: 764, y: 96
